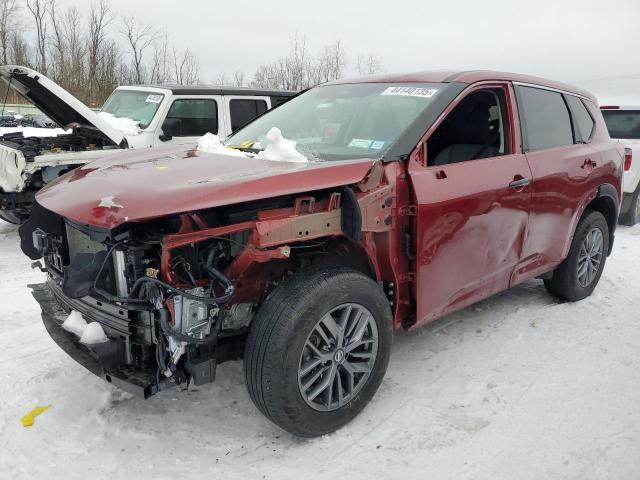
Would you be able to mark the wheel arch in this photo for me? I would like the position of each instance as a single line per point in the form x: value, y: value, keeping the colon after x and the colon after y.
x: 347, y: 253
x: 607, y: 203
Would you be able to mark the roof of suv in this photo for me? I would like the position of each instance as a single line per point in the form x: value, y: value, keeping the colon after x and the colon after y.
x: 470, y: 76
x: 219, y: 90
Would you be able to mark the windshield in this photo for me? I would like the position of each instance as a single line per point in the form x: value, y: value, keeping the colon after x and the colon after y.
x: 340, y: 122
x: 137, y: 105
x: 623, y: 124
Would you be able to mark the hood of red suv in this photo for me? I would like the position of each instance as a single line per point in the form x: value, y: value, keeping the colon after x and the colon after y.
x: 143, y: 184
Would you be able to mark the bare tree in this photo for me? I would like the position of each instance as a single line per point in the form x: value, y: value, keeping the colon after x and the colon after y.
x: 238, y: 79
x: 58, y: 44
x: 38, y: 9
x: 99, y: 18
x: 139, y: 38
x: 221, y: 79
x: 329, y: 65
x: 368, y: 64
x: 76, y: 73
x: 160, y: 62
x: 20, y: 52
x: 9, y: 22
x: 186, y: 67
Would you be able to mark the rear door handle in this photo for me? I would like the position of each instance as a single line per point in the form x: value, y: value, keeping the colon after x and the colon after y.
x: 522, y: 182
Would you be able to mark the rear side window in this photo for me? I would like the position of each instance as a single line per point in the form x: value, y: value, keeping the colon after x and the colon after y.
x: 544, y: 118
x: 582, y: 121
x: 197, y: 116
x: 245, y: 110
x: 622, y: 123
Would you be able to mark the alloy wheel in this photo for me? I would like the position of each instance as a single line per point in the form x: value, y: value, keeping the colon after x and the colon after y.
x: 338, y: 357
x: 590, y: 257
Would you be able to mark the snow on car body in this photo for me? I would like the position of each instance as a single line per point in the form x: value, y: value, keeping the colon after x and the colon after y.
x: 624, y: 126
x: 132, y: 117
x: 407, y: 197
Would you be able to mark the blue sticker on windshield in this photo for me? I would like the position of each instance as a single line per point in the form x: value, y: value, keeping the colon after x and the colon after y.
x: 360, y: 143
x: 377, y: 145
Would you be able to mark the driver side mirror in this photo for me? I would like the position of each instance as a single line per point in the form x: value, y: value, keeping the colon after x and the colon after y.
x: 171, y: 127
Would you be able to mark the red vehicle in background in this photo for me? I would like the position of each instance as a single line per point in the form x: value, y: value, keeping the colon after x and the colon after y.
x: 422, y: 194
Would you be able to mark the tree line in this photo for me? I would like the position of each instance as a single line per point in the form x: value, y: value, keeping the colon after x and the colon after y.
x: 89, y: 54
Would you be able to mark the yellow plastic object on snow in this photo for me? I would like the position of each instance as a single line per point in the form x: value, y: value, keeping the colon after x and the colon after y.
x: 30, y: 417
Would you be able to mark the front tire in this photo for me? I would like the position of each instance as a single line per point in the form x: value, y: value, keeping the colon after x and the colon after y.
x: 318, y: 350
x: 578, y: 275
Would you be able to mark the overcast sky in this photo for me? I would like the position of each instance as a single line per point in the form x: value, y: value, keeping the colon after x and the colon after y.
x: 586, y: 42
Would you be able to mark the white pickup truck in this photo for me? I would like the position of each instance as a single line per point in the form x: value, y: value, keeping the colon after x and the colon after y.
x: 623, y: 124
x: 132, y: 117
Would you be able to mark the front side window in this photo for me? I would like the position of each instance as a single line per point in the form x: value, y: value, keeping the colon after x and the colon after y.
x: 544, y: 119
x: 341, y: 122
x: 583, y: 123
x: 476, y: 128
x: 243, y: 110
x: 624, y: 124
x: 137, y: 105
x: 197, y: 116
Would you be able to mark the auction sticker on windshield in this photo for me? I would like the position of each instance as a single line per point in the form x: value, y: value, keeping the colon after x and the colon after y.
x: 410, y: 91
x: 154, y: 98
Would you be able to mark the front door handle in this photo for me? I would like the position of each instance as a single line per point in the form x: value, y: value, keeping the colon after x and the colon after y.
x: 521, y: 182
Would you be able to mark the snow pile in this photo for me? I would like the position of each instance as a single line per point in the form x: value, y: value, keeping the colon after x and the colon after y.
x: 280, y: 149
x: 210, y: 143
x: 75, y: 323
x: 93, y: 334
x: 124, y: 125
x: 89, y: 334
x: 109, y: 202
x: 34, y: 131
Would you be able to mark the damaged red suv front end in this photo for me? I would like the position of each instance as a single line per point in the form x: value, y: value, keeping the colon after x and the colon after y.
x: 173, y: 257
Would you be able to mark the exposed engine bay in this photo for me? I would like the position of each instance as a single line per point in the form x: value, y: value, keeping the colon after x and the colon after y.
x: 176, y: 295
x: 80, y: 139
x: 29, y: 163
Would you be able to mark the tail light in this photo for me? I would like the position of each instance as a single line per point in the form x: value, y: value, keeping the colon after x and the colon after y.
x: 628, y: 155
x: 609, y: 107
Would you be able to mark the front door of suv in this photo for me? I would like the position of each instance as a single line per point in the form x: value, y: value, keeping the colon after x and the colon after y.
x: 472, y: 200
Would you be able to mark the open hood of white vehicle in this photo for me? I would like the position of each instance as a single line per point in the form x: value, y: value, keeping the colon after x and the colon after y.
x: 54, y: 101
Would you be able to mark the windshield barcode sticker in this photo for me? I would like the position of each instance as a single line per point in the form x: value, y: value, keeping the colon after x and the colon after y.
x: 411, y: 91
x: 154, y: 99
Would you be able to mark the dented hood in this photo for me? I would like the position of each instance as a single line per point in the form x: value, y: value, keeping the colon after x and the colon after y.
x: 141, y: 184
x: 54, y: 101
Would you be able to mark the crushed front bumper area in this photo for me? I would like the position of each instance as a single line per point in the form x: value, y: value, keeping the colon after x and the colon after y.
x: 108, y: 359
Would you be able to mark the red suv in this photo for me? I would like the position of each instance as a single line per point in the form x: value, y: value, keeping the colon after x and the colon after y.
x: 420, y: 194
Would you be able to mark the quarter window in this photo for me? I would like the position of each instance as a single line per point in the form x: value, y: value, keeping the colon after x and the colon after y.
x: 197, y: 116
x: 245, y: 110
x: 544, y: 118
x: 582, y: 121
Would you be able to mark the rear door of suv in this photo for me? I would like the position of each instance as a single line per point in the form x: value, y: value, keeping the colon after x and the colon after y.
x: 563, y: 165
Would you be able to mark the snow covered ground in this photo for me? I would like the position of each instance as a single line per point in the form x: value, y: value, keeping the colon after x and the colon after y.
x: 517, y: 387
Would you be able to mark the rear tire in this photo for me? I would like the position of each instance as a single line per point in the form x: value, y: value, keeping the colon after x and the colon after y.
x: 295, y: 329
x: 577, y: 276
x: 632, y: 216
